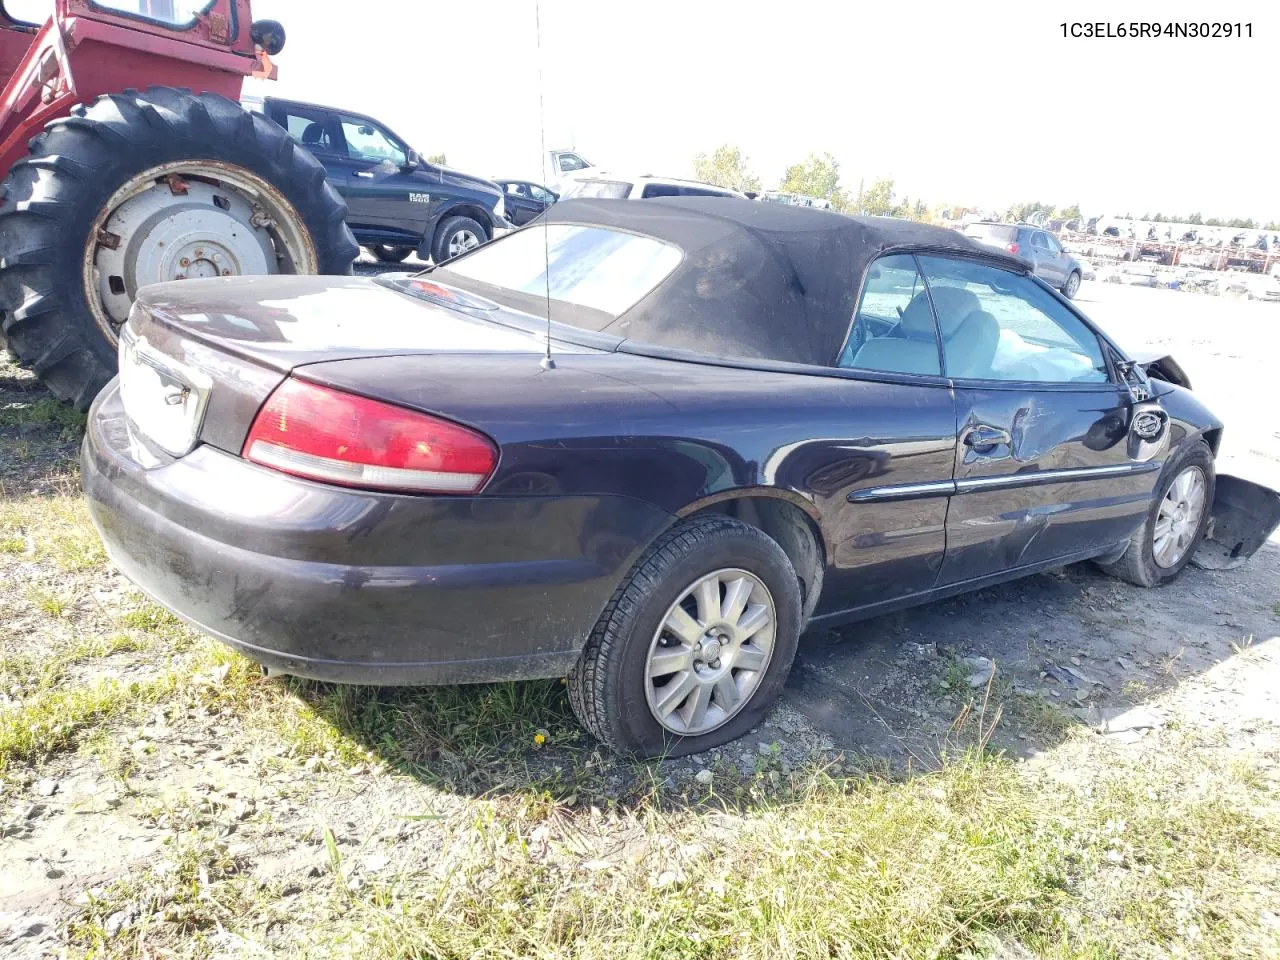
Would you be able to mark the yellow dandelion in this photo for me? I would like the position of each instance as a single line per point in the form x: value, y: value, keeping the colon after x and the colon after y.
x: 539, y: 738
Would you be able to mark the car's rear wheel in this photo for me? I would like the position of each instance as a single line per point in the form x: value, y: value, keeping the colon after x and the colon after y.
x: 456, y: 236
x: 385, y: 253
x: 1176, y: 522
x: 695, y: 644
x: 1072, y: 286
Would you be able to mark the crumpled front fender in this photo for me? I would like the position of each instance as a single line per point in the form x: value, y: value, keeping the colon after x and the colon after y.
x: 1244, y: 517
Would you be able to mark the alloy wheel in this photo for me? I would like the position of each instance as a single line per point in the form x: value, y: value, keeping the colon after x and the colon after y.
x: 462, y: 241
x: 711, y: 652
x: 1178, y: 518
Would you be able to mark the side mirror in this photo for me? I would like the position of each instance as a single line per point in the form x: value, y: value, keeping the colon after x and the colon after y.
x: 412, y: 161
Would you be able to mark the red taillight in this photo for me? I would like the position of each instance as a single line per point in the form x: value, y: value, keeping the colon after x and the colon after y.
x: 432, y: 289
x: 1012, y: 248
x: 335, y: 437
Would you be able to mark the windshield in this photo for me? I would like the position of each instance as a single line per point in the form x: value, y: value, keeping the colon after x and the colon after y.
x: 593, y: 267
x: 27, y: 11
x: 179, y: 13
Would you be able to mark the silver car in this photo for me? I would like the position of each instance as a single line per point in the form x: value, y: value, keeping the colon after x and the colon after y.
x: 1039, y: 248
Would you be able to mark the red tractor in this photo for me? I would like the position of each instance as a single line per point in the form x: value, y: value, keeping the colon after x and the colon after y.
x: 107, y: 189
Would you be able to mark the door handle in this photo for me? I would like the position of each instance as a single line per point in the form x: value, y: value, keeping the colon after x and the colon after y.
x: 365, y: 174
x: 984, y: 439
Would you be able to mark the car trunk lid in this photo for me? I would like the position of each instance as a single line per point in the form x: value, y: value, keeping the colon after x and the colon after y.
x: 199, y: 358
x: 282, y: 322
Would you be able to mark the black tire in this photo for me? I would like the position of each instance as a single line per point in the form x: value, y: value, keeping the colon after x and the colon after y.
x: 385, y: 253
x: 1138, y: 565
x: 606, y: 688
x: 1072, y: 286
x: 450, y: 227
x: 53, y: 196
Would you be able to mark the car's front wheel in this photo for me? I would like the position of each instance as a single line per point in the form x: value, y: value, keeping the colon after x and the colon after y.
x: 1176, y: 522
x: 1072, y: 286
x: 695, y: 644
x: 456, y: 236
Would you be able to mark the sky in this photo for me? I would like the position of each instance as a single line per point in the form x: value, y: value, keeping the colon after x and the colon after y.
x: 982, y: 104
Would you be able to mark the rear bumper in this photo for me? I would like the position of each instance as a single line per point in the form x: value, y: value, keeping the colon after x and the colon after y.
x: 357, y: 587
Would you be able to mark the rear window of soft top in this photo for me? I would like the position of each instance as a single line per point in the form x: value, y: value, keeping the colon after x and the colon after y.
x: 600, y: 270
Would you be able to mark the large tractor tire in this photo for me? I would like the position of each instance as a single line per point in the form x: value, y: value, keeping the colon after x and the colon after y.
x: 138, y: 188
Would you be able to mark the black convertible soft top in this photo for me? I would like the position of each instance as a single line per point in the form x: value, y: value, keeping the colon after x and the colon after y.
x: 758, y: 280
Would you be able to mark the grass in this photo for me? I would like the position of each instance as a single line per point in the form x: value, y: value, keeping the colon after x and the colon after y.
x: 44, y: 673
x: 151, y: 618
x: 1142, y: 859
x: 44, y: 413
x: 51, y: 604
x: 197, y: 890
x: 54, y: 527
x: 53, y: 718
x: 1040, y: 718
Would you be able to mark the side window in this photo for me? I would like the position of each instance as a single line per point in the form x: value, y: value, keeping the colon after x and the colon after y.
x: 998, y: 325
x: 1054, y: 246
x: 701, y: 192
x: 893, y: 329
x: 539, y: 194
x: 367, y: 142
x: 315, y: 131
x: 1038, y: 239
x: 660, y: 190
x: 517, y: 189
x: 570, y: 162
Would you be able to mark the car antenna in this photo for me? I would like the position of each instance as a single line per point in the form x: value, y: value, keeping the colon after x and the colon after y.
x: 547, y: 363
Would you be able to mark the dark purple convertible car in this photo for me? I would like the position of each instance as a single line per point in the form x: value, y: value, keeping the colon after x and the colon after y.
x: 643, y: 445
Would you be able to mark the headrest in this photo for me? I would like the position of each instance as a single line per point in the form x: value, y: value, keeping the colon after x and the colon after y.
x: 917, y: 320
x: 953, y: 305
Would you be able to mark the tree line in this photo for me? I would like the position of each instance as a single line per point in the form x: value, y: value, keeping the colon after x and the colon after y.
x: 818, y: 175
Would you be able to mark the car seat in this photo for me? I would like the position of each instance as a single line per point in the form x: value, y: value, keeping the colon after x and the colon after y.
x: 971, y: 348
x: 315, y: 136
x: 912, y: 347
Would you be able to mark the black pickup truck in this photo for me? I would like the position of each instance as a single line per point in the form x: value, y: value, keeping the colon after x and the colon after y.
x: 397, y: 202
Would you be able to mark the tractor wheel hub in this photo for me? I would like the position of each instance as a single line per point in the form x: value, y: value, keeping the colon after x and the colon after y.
x: 179, y: 228
x: 204, y: 232
x: 195, y: 255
